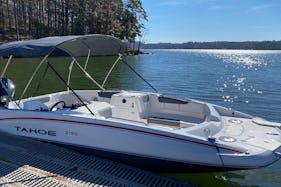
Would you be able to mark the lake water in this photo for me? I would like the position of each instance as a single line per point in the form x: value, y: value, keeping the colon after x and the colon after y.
x: 246, y: 80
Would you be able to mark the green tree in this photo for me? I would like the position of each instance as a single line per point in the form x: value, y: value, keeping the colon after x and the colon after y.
x: 133, y: 17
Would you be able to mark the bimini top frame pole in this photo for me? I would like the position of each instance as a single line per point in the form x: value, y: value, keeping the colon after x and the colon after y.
x: 6, y: 66
x: 32, y: 76
x: 69, y: 73
x: 87, y: 60
x: 112, y: 67
x: 87, y: 74
x: 74, y: 46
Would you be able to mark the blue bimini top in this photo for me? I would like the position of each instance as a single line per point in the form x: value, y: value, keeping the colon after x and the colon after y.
x: 76, y: 46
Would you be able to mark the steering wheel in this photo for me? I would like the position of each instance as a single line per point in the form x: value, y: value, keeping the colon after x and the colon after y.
x: 58, y: 105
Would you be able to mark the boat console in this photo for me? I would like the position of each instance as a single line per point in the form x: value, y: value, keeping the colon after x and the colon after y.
x: 130, y: 105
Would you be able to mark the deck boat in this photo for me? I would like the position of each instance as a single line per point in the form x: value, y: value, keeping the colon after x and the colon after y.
x: 149, y: 130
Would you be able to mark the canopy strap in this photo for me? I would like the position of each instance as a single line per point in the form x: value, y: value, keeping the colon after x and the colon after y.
x: 60, y: 77
x: 112, y: 67
x: 139, y: 75
x: 6, y: 66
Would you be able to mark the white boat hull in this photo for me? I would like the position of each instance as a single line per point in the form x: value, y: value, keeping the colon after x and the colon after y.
x: 135, y: 145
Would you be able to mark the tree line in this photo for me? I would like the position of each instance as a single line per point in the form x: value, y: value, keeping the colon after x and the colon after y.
x: 25, y: 19
x: 255, y: 45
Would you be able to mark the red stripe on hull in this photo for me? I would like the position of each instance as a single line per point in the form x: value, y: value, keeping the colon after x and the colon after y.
x: 123, y: 128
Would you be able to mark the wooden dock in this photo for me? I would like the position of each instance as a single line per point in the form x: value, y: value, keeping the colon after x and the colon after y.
x: 26, y: 162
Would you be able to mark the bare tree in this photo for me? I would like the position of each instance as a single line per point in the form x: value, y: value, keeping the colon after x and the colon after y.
x: 38, y: 18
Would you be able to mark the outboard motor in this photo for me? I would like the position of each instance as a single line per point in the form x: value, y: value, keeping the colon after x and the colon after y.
x: 7, y: 91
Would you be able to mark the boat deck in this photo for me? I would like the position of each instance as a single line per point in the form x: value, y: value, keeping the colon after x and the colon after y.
x: 25, y: 162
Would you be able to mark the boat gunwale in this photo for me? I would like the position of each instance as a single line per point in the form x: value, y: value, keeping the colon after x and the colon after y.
x: 124, y: 128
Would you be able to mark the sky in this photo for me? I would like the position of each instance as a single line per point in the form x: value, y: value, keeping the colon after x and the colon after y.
x: 178, y: 21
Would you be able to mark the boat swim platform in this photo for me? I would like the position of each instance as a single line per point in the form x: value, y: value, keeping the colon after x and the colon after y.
x: 27, y: 162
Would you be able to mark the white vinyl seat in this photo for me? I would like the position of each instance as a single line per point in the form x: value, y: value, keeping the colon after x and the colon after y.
x: 100, y: 109
x: 28, y: 105
x: 34, y: 105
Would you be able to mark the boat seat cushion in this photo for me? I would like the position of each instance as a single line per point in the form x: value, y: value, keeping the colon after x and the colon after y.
x: 34, y: 105
x: 100, y: 109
